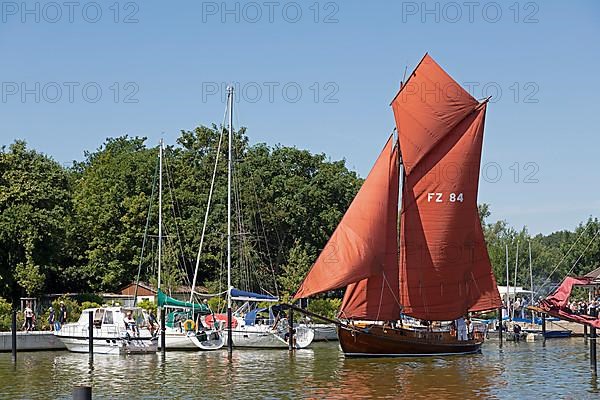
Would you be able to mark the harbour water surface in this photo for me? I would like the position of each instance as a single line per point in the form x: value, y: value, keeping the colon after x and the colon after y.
x: 519, y: 370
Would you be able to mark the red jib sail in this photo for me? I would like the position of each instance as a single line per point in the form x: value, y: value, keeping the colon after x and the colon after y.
x: 362, y: 253
x: 444, y: 265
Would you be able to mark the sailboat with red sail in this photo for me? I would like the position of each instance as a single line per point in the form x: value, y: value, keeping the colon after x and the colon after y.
x: 428, y: 260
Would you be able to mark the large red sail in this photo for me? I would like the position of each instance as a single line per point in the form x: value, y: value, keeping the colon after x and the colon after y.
x: 427, y: 107
x: 444, y: 265
x: 364, y: 245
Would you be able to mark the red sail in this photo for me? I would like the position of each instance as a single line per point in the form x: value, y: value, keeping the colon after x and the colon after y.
x: 444, y: 265
x: 427, y: 107
x: 556, y: 303
x: 364, y: 245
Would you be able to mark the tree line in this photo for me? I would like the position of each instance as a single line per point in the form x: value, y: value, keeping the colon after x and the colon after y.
x: 82, y: 228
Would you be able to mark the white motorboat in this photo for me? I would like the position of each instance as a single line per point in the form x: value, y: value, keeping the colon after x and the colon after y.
x: 113, y: 332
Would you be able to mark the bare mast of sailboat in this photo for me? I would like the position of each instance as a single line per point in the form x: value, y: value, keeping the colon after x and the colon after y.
x: 160, y: 163
x: 229, y: 146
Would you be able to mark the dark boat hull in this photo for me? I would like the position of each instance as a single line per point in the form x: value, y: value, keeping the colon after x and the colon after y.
x: 377, y: 341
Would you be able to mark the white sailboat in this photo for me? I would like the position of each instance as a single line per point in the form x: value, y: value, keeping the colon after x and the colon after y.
x: 189, y: 333
x: 247, y: 327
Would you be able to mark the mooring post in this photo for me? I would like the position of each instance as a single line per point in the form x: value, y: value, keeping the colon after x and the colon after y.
x: 291, y: 330
x: 229, y: 331
x: 163, y: 339
x: 593, y: 361
x: 82, y: 393
x: 13, y: 328
x: 544, y: 326
x: 585, y: 333
x: 500, y: 327
x: 91, y: 335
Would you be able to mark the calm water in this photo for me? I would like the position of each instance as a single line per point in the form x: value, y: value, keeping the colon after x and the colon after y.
x: 523, y: 370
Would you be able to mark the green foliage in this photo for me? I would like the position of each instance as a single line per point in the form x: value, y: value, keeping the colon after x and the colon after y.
x: 5, y: 315
x: 30, y: 278
x: 35, y: 205
x: 147, y: 305
x: 73, y: 308
x: 294, y: 272
x: 89, y: 304
x: 325, y: 307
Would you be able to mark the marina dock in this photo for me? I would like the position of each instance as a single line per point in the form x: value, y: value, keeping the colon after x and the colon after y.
x: 29, y: 341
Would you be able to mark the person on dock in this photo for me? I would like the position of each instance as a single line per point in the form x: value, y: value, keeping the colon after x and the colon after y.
x: 28, y: 317
x: 51, y: 318
x: 62, y: 314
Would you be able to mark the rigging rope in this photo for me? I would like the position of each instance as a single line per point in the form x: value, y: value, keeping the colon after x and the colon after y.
x: 137, y: 279
x: 563, y: 258
x: 175, y: 207
x: 210, y: 193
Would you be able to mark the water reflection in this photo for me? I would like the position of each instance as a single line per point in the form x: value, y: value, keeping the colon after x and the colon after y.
x: 522, y: 370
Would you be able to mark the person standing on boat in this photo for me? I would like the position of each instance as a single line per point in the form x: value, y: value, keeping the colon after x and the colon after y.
x: 130, y: 323
x: 461, y: 329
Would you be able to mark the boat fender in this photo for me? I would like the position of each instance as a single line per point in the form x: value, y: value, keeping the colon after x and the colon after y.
x: 189, y: 325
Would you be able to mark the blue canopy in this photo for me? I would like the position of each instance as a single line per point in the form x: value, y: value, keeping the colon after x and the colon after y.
x: 237, y: 294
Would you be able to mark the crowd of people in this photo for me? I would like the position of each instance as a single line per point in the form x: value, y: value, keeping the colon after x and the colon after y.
x: 591, y: 308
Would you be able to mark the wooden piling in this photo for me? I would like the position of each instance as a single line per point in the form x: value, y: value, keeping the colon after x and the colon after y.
x: 593, y: 361
x: 544, y: 327
x: 91, y: 335
x: 500, y: 327
x: 585, y: 333
x: 163, y: 339
x: 82, y: 393
x: 13, y: 328
x: 291, y: 330
x: 229, y: 331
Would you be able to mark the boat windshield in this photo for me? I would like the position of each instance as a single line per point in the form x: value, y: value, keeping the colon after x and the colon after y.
x: 84, y: 317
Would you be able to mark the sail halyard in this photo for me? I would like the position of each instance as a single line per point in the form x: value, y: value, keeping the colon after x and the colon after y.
x: 363, y: 249
x: 444, y: 266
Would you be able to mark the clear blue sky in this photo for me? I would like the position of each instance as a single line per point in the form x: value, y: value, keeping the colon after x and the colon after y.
x: 171, y: 57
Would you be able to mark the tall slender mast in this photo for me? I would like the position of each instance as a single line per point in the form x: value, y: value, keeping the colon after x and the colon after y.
x: 516, y: 265
x: 530, y: 277
x: 507, y: 286
x: 229, y: 161
x: 160, y: 160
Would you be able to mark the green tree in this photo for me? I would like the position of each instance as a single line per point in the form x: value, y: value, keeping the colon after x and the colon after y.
x: 112, y: 189
x: 35, y: 202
